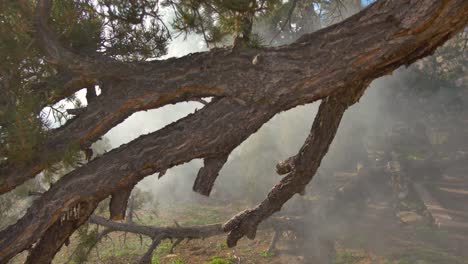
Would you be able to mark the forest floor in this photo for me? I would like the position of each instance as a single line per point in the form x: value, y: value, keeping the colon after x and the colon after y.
x: 374, y: 237
x: 372, y: 234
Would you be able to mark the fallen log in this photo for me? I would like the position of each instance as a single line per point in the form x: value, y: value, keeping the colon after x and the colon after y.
x: 180, y: 233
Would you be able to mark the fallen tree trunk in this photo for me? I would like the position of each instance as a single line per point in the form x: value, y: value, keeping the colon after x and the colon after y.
x: 301, y: 168
x: 179, y: 233
x: 174, y: 232
x: 50, y: 243
x: 347, y: 55
x: 312, y: 68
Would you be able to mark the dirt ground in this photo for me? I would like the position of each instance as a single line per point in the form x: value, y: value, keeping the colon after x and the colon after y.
x: 372, y: 236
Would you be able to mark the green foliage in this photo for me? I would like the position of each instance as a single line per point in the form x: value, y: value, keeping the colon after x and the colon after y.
x: 21, y: 67
x: 127, y: 30
x: 348, y: 257
x: 202, y: 215
x: 121, y: 29
x: 217, y: 20
x: 87, y: 237
x: 136, y: 29
x: 20, y: 129
x: 220, y: 260
x: 430, y: 233
x: 163, y: 248
x: 223, y: 245
x: 23, y: 132
x: 267, y: 254
x: 155, y: 259
x: 424, y: 256
x: 124, y: 30
x: 78, y: 24
x: 256, y: 41
x: 71, y: 155
x: 178, y: 260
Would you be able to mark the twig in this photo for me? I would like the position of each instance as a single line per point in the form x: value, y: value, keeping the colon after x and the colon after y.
x: 287, y: 21
x: 271, y: 247
x: 146, y: 259
x: 177, y: 242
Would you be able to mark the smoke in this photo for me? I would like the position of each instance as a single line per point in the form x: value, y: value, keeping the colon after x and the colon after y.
x: 249, y: 173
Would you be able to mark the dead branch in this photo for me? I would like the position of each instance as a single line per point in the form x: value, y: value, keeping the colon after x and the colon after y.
x: 59, y: 233
x: 98, y: 239
x: 387, y: 44
x: 118, y: 203
x: 175, y: 244
x: 174, y: 232
x: 146, y: 258
x: 190, y: 232
x: 272, y: 246
x: 286, y: 166
x: 208, y: 173
x: 306, y: 163
x: 326, y: 62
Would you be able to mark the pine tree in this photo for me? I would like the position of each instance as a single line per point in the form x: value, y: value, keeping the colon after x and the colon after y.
x: 49, y: 50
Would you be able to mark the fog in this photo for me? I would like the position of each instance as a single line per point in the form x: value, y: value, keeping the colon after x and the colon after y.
x: 392, y: 187
x: 253, y: 162
x: 250, y: 170
x: 363, y: 139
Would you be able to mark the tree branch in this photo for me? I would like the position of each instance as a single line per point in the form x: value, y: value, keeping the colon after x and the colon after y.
x: 208, y: 173
x: 190, y: 232
x: 287, y: 21
x: 373, y: 43
x: 274, y: 239
x: 146, y: 258
x: 179, y: 232
x: 306, y: 163
x: 59, y: 86
x: 118, y: 203
x: 97, y: 180
x: 89, y: 67
x: 391, y: 34
x: 59, y: 233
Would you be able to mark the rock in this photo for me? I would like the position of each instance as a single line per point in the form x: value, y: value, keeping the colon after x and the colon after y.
x: 409, y: 217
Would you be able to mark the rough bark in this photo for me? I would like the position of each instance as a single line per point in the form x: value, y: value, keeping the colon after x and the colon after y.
x: 53, y: 239
x: 190, y: 232
x: 174, y: 232
x: 58, y: 87
x: 370, y: 44
x: 118, y: 203
x: 99, y: 181
x: 208, y: 173
x: 306, y: 163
